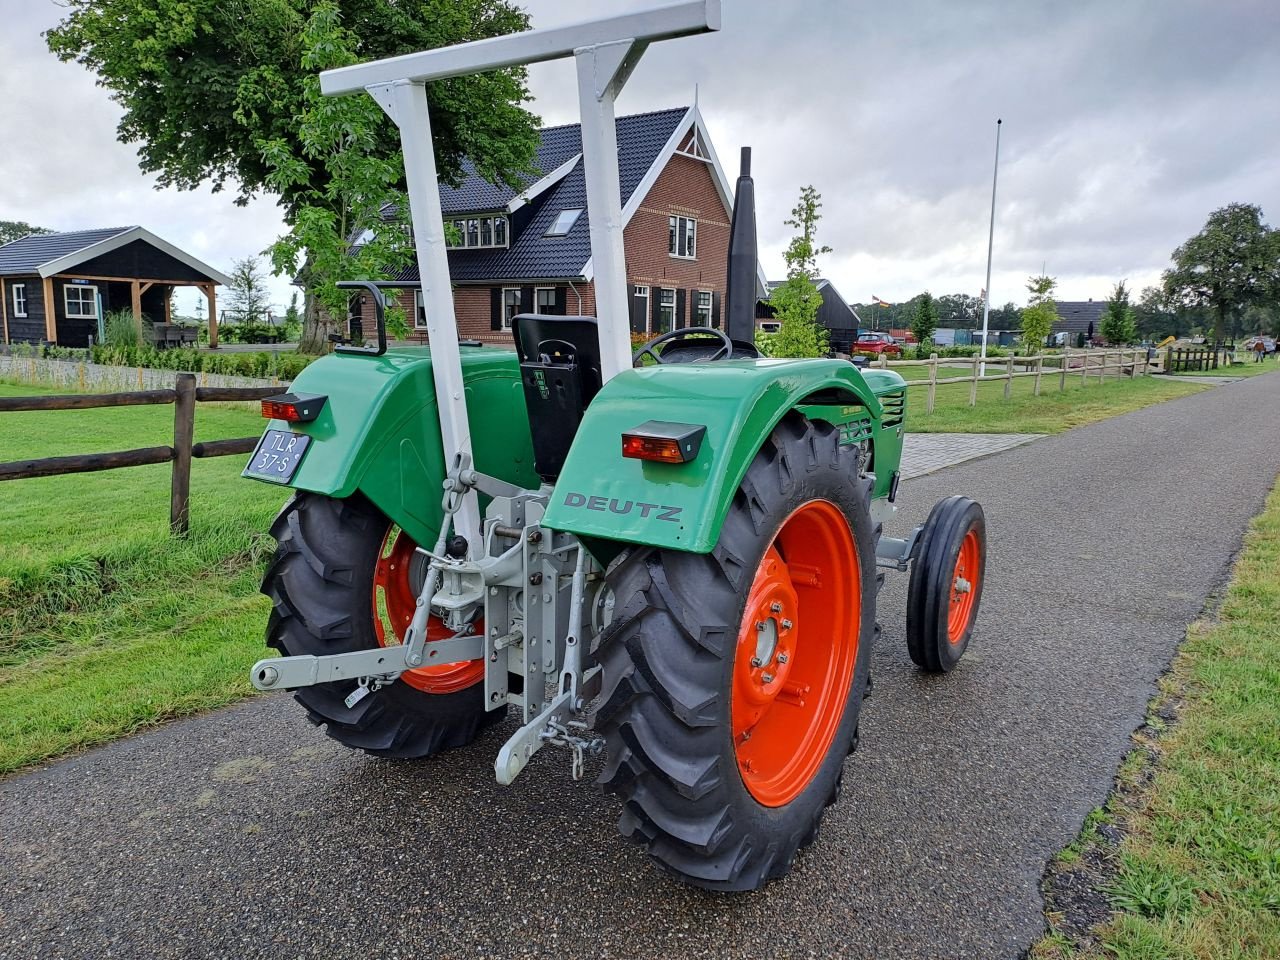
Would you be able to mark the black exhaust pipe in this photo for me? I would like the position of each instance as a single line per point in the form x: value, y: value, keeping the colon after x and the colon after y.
x: 740, y: 288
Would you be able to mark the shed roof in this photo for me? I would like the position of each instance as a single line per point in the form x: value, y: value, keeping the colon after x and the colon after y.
x: 48, y: 254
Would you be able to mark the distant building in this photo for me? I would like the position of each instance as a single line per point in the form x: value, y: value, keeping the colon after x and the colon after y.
x: 1079, y: 316
x: 840, y: 319
x: 56, y: 287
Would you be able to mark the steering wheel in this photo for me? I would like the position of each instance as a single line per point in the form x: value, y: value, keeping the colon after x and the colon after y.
x: 724, y: 352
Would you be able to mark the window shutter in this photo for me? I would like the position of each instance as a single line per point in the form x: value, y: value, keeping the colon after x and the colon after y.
x: 562, y: 301
x: 715, y: 310
x: 679, y: 319
x: 637, y: 310
x: 495, y: 308
x: 526, y: 299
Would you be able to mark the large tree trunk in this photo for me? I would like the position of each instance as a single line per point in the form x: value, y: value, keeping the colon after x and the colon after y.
x: 317, y: 324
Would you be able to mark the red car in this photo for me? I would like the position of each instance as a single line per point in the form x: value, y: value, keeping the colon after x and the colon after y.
x: 877, y: 343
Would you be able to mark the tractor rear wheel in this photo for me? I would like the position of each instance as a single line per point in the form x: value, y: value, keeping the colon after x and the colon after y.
x: 945, y: 590
x: 345, y: 578
x: 733, y: 680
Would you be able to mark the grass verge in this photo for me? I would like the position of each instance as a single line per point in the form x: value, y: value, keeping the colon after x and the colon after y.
x: 1052, y: 412
x: 1246, y: 368
x: 1184, y: 861
x: 107, y: 623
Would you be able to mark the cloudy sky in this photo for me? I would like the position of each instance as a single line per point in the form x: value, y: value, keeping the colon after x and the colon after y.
x: 1125, y: 123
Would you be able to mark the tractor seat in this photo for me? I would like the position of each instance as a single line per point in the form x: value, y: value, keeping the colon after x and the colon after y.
x: 560, y: 370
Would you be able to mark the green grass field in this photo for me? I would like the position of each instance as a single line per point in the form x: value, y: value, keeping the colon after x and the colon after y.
x: 1198, y: 872
x: 1246, y: 369
x: 1051, y: 412
x: 106, y: 622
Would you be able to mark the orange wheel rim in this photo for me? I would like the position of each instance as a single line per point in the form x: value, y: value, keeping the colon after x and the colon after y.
x: 964, y: 586
x: 796, y: 653
x: 394, y: 600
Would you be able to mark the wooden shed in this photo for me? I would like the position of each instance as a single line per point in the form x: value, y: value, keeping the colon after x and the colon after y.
x: 55, y: 287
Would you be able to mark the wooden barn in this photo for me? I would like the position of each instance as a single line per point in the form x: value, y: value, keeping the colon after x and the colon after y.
x: 56, y: 287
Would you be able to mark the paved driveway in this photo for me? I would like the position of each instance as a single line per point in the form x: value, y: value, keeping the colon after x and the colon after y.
x: 247, y: 834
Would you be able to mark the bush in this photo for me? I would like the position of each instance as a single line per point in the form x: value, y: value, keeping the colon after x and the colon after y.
x: 286, y: 366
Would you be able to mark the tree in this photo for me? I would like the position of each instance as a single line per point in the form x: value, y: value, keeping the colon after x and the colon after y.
x: 226, y: 94
x: 924, y: 322
x: 11, y: 230
x: 247, y: 297
x: 1039, y: 314
x: 796, y: 300
x: 1232, y: 263
x: 1119, y: 326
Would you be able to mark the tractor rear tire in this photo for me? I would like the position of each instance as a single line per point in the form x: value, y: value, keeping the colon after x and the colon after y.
x: 733, y: 680
x: 945, y: 589
x: 322, y: 588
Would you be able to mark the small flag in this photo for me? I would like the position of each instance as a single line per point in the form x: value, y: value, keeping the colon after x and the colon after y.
x: 880, y: 303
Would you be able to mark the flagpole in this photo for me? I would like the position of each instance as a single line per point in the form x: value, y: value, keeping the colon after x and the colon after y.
x: 991, y: 233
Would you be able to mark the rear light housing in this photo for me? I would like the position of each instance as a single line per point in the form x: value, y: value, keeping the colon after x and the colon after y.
x: 660, y: 441
x: 293, y: 407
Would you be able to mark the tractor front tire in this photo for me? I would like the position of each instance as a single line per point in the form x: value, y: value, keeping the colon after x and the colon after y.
x: 339, y: 583
x: 733, y: 680
x: 945, y: 589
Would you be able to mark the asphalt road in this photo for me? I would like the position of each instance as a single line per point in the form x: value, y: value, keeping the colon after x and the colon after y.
x: 247, y: 833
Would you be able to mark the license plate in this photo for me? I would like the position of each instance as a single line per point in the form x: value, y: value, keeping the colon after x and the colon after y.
x: 277, y: 457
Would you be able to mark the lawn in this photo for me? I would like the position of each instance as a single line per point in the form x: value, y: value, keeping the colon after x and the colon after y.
x: 1023, y: 412
x: 1197, y: 874
x: 1245, y: 369
x: 106, y: 622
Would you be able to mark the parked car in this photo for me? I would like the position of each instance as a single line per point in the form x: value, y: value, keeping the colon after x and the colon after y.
x: 877, y: 343
x: 1268, y: 344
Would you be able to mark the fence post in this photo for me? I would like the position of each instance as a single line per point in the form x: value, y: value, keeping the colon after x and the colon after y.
x: 1039, y: 371
x: 1062, y: 372
x: 973, y: 386
x: 933, y: 381
x: 1008, y: 375
x: 184, y: 428
x: 884, y: 362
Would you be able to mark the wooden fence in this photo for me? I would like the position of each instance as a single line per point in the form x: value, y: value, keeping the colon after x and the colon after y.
x: 1184, y: 359
x: 1086, y: 364
x: 184, y: 396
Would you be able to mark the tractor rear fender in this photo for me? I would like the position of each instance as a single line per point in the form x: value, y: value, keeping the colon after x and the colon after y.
x: 601, y: 495
x: 379, y: 431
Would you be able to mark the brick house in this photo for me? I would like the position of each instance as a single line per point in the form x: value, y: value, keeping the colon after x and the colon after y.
x: 529, y: 250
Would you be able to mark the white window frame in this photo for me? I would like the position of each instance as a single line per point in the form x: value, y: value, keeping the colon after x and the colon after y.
x: 419, y: 310
x: 662, y: 292
x: 678, y: 234
x: 16, y: 287
x: 697, y: 307
x: 464, y: 234
x: 537, y: 307
x: 569, y: 213
x: 506, y: 317
x: 66, y: 301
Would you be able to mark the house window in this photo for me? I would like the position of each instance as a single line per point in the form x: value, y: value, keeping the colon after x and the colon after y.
x: 702, y: 308
x: 19, y: 299
x: 564, y: 222
x: 666, y: 317
x: 510, y: 305
x: 682, y: 232
x: 544, y: 300
x: 479, y: 232
x: 419, y: 311
x: 81, y: 301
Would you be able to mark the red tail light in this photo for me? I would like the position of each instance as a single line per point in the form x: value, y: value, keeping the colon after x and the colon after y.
x: 293, y: 407
x: 663, y: 442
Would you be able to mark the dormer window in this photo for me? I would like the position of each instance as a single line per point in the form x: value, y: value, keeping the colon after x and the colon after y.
x: 564, y: 222
x: 480, y: 232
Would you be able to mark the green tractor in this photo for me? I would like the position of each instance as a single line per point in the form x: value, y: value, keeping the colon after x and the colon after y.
x: 668, y: 560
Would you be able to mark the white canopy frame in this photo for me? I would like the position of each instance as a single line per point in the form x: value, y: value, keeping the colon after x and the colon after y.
x: 605, y: 51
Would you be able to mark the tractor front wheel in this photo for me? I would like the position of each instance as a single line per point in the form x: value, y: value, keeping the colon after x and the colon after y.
x: 345, y: 578
x: 946, y: 584
x: 733, y: 680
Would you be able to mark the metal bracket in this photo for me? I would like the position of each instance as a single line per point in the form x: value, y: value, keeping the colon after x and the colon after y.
x: 895, y: 554
x: 381, y: 663
x: 528, y: 740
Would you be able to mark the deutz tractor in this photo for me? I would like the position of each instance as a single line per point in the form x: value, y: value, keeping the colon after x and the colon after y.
x: 667, y: 560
